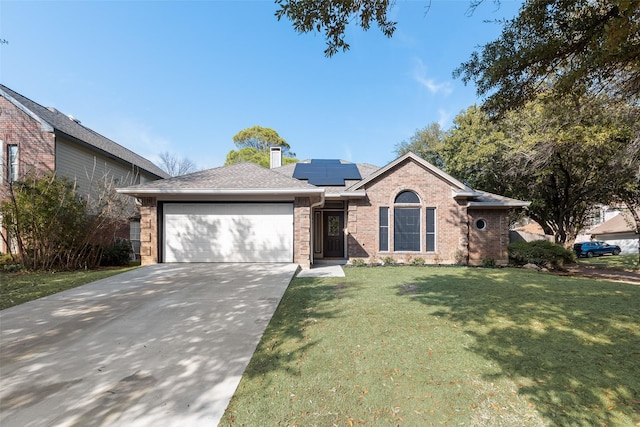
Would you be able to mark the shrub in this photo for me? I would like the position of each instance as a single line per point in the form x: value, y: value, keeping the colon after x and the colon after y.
x: 52, y: 227
x: 118, y: 254
x: 540, y: 252
x: 417, y: 261
x: 388, y: 260
x: 489, y: 262
x: 459, y: 257
x: 357, y: 262
x: 8, y: 264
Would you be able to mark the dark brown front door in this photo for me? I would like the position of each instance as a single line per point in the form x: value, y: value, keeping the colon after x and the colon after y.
x: 333, y: 236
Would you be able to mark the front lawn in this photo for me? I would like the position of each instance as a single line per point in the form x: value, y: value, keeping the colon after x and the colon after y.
x: 17, y: 288
x: 615, y: 262
x: 446, y: 346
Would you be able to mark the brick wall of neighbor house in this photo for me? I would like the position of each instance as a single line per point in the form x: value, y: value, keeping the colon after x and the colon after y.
x: 302, y: 232
x: 35, y: 146
x: 149, y: 231
x: 491, y: 242
x: 363, y: 215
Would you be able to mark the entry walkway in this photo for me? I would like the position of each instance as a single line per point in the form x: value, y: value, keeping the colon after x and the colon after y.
x: 322, y: 270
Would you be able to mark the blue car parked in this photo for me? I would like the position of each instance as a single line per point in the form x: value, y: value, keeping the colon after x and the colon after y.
x: 596, y: 248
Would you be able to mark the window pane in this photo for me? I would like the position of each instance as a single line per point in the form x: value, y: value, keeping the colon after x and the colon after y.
x: 333, y: 225
x: 12, y: 163
x: 406, y: 229
x: 407, y: 197
x: 431, y: 230
x: 384, y: 229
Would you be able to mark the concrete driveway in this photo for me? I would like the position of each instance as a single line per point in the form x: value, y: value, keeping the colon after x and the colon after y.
x: 163, y: 345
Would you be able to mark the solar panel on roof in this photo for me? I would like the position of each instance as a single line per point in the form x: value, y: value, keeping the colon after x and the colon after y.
x: 326, y: 172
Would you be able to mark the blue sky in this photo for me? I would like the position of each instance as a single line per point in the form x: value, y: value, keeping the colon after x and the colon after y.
x: 185, y: 76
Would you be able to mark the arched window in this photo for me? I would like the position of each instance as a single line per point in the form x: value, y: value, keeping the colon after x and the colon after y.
x: 407, y: 196
x: 406, y: 222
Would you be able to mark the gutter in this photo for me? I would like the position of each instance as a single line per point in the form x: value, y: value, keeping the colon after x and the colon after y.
x: 497, y: 205
x: 218, y: 192
x: 354, y: 194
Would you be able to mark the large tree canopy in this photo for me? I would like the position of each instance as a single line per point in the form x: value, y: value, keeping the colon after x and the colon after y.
x: 261, y: 139
x: 426, y: 143
x: 332, y: 16
x: 570, y: 46
x: 254, y: 145
x: 565, y: 156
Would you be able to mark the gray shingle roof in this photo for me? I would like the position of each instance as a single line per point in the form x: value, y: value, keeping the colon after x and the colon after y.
x: 241, y: 176
x: 485, y: 199
x: 63, y: 124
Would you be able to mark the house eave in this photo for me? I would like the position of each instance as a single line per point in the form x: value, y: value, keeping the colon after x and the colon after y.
x: 465, y: 194
x: 45, y: 126
x: 494, y: 205
x: 360, y: 194
x: 151, y: 192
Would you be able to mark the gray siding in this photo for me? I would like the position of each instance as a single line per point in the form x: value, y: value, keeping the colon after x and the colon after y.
x: 87, y: 167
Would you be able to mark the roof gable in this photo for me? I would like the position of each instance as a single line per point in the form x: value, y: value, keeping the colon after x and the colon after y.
x: 53, y: 120
x: 621, y: 223
x: 456, y: 185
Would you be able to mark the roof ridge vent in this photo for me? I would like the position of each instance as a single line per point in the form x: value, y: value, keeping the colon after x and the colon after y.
x: 52, y: 109
x: 73, y: 119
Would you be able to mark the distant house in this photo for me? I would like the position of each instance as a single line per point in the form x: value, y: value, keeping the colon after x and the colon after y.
x: 322, y: 209
x: 619, y: 230
x: 42, y: 139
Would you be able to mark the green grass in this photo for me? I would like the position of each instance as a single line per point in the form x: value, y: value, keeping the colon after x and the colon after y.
x: 18, y: 288
x: 619, y: 262
x: 446, y: 346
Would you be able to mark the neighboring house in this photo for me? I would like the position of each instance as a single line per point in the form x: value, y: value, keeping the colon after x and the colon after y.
x: 322, y: 209
x: 619, y: 230
x: 42, y: 139
x: 529, y: 233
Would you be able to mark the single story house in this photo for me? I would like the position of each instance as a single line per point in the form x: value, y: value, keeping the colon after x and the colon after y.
x: 619, y: 230
x: 321, y: 209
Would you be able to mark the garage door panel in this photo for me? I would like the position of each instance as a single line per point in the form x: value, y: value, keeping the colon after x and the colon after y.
x: 228, y: 232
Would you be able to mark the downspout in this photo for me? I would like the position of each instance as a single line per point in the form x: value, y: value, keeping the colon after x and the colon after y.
x: 466, y: 211
x: 312, y: 226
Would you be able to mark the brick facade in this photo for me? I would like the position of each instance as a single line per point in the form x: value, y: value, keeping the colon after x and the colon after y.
x: 302, y: 231
x: 490, y: 242
x: 36, y: 147
x: 433, y: 192
x: 149, y: 231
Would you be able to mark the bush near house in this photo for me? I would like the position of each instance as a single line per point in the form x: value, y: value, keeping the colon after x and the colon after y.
x: 52, y: 228
x: 540, y: 252
x: 116, y: 255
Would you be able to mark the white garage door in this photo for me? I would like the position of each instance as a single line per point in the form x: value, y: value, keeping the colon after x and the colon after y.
x: 228, y: 232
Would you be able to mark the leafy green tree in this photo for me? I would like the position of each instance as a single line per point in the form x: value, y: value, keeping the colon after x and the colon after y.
x: 254, y: 145
x: 254, y: 155
x: 331, y: 17
x: 570, y: 46
x: 475, y: 150
x: 567, y: 151
x: 560, y: 154
x: 426, y: 143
